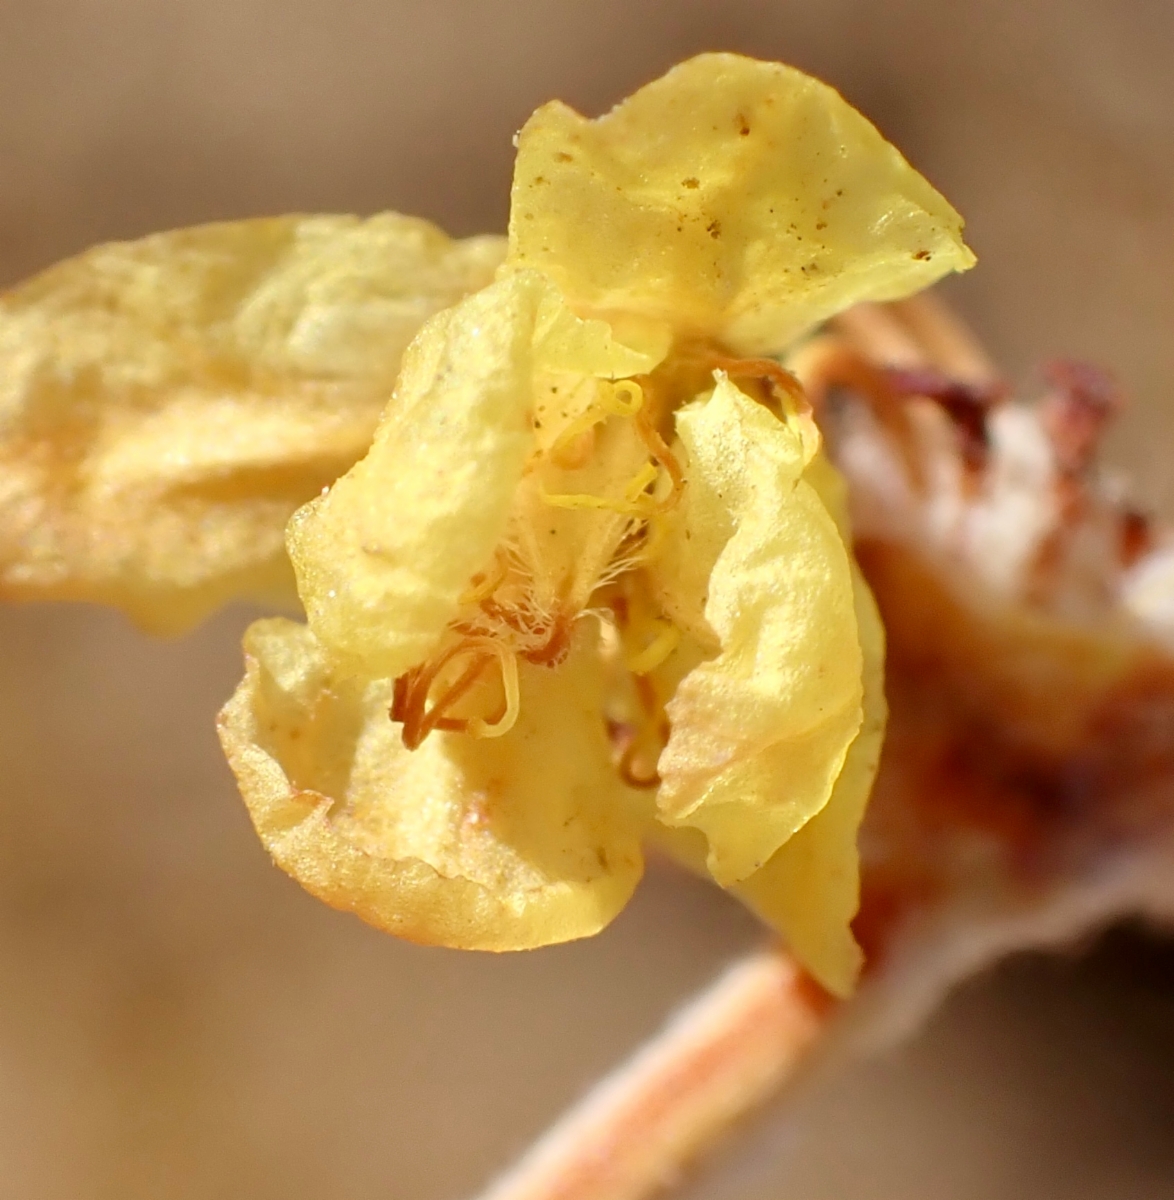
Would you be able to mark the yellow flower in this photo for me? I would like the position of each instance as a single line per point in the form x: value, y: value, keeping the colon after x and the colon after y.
x: 590, y: 587
x: 590, y: 564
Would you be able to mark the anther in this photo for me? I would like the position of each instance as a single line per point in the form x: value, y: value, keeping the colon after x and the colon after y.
x: 624, y: 398
x: 626, y: 769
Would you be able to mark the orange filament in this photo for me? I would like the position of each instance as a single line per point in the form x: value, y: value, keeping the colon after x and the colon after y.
x: 646, y: 741
x: 665, y: 458
x: 780, y: 381
x: 502, y: 621
x: 410, y: 694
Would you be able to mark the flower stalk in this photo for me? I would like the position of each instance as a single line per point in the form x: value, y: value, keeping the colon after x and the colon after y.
x: 714, y: 1062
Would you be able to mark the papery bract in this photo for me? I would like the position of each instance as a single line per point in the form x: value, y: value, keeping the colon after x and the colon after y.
x: 166, y: 404
x: 736, y: 200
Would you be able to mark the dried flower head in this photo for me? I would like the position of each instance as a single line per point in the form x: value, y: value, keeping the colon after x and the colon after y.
x: 593, y: 565
x: 589, y: 586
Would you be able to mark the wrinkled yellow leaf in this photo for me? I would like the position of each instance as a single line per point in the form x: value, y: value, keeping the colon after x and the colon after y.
x: 735, y: 199
x: 166, y: 404
x: 501, y: 844
x: 759, y: 733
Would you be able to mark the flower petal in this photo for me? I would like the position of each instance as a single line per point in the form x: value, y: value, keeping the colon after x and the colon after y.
x: 759, y: 733
x: 736, y: 199
x: 518, y: 841
x: 383, y: 558
x: 810, y: 889
x: 166, y: 404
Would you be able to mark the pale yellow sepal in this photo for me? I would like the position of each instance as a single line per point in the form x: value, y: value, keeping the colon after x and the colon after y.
x: 738, y: 200
x: 499, y: 844
x: 166, y: 404
x: 759, y: 733
x: 810, y: 889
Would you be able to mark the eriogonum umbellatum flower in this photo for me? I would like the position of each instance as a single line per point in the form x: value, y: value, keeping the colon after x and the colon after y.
x: 590, y: 586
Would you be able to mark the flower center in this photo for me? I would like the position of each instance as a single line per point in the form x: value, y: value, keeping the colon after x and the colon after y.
x: 588, y: 514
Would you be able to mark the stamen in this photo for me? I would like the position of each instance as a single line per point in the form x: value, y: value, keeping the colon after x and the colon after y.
x: 566, y: 441
x: 774, y: 374
x: 586, y: 500
x: 410, y: 692
x: 647, y: 740
x: 661, y: 454
x: 490, y: 582
x: 636, y: 501
x: 434, y: 718
x: 639, y: 482
x: 624, y: 398
x: 479, y: 728
x: 625, y: 768
x: 639, y: 505
x: 657, y: 650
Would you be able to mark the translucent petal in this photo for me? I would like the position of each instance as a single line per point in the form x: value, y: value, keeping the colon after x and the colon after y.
x: 501, y: 844
x: 759, y: 733
x: 383, y: 558
x: 166, y: 404
x: 564, y: 342
x: 735, y: 199
x: 810, y: 889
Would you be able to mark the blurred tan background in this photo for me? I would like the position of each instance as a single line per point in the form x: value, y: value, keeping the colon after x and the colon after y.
x: 176, y: 1018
